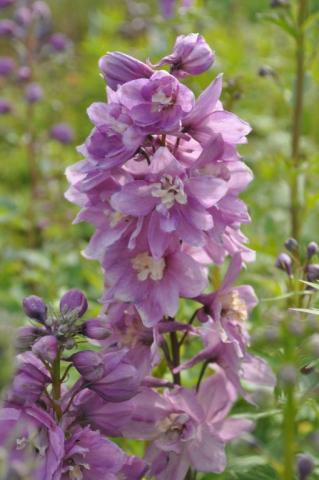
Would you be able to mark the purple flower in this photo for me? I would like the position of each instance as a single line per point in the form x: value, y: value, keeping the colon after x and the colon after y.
x: 167, y: 6
x: 5, y: 106
x: 208, y: 118
x: 157, y: 104
x: 63, y: 133
x: 118, y: 68
x: 46, y: 348
x: 59, y: 42
x: 7, y: 66
x: 110, y: 375
x: 29, y: 381
x: 154, y: 285
x: 95, y: 328
x: 115, y: 138
x: 23, y: 16
x: 73, y: 303
x: 89, y: 456
x: 26, y: 336
x: 186, y: 430
x: 191, y: 56
x: 89, y: 408
x: 176, y: 201
x: 33, y: 93
x: 24, y: 74
x: 33, y: 441
x: 35, y: 308
x: 134, y: 468
x: 8, y: 28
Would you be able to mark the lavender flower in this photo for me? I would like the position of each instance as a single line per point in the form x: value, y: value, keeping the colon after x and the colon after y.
x: 191, y: 56
x: 63, y: 133
x: 6, y: 3
x: 5, y: 106
x: 119, y: 68
x: 35, y: 308
x: 73, y: 302
x: 8, y: 28
x: 7, y: 66
x: 33, y: 93
x: 59, y: 42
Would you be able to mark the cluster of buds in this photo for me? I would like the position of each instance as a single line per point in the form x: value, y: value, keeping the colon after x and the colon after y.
x: 28, y: 28
x: 299, y: 263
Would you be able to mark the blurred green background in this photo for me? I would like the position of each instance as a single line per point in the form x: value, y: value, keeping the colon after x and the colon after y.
x: 244, y: 41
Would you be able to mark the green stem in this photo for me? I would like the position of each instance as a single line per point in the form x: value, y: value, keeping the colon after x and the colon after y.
x: 295, y: 210
x: 289, y: 432
x: 175, y: 357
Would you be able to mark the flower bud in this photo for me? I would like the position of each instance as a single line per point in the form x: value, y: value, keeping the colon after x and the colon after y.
x: 28, y: 385
x: 5, y: 106
x: 23, y: 16
x: 46, y: 348
x: 292, y: 245
x: 59, y: 42
x: 26, y: 336
x: 62, y: 132
x: 33, y: 93
x: 8, y: 28
x: 305, y: 466
x: 89, y: 364
x: 313, y: 272
x: 24, y: 74
x: 284, y: 263
x: 7, y: 66
x: 35, y: 308
x: 118, y: 68
x: 266, y: 71
x: 191, y: 56
x: 96, y: 329
x: 312, y: 249
x: 73, y: 302
x: 41, y: 10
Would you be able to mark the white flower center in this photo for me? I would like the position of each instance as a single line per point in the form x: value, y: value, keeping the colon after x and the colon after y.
x: 115, y: 218
x: 234, y: 307
x: 76, y: 471
x: 169, y: 190
x: 161, y: 98
x: 21, y: 443
x: 117, y: 125
x: 146, y: 266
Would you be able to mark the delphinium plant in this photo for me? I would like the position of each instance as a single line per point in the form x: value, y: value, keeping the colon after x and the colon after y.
x: 160, y: 181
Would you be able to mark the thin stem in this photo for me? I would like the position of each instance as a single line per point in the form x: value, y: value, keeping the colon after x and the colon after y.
x: 175, y: 357
x: 201, y: 374
x: 56, y: 385
x: 190, y: 322
x: 295, y: 210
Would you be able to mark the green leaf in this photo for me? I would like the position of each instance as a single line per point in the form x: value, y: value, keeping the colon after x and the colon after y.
x: 281, y: 21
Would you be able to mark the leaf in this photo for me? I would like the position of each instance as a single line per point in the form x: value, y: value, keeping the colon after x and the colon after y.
x: 281, y: 21
x: 257, y: 472
x: 312, y: 311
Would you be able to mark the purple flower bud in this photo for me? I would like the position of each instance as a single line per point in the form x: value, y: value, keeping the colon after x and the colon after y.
x: 118, y: 68
x: 73, y: 302
x: 266, y: 71
x: 23, y: 16
x: 59, y: 42
x: 312, y: 249
x: 28, y: 384
x: 35, y: 308
x: 305, y: 466
x: 89, y: 364
x: 96, y: 329
x: 26, y: 336
x: 313, y: 272
x: 292, y: 245
x: 41, y: 10
x: 63, y: 133
x: 33, y: 93
x: 191, y: 56
x: 46, y: 348
x: 24, y: 74
x: 6, y: 3
x: 8, y: 28
x: 5, y: 106
x: 7, y: 65
x: 284, y: 263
